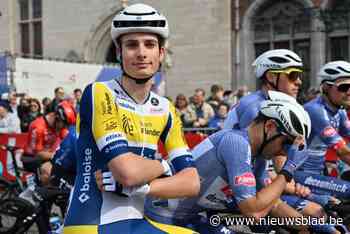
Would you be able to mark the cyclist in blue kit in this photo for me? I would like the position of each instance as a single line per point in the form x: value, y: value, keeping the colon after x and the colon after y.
x: 329, y: 120
x: 233, y: 172
x: 280, y: 70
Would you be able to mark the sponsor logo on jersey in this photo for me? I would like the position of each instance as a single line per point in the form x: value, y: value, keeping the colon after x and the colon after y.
x: 126, y: 105
x: 330, y: 185
x: 107, y: 105
x: 246, y: 179
x: 151, y: 132
x: 329, y: 131
x: 154, y: 101
x: 112, y: 137
x: 127, y: 125
x: 156, y: 110
x: 110, y: 125
x: 87, y: 170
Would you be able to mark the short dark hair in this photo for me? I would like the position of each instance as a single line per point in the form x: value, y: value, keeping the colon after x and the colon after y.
x: 261, y: 118
x: 200, y: 90
x: 57, y: 88
x: 77, y: 90
x: 215, y: 88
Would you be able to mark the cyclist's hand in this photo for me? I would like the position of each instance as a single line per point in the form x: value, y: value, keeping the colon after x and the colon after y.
x: 99, y: 180
x: 110, y: 185
x: 45, y: 172
x: 296, y: 156
x: 167, y: 167
x: 301, y: 190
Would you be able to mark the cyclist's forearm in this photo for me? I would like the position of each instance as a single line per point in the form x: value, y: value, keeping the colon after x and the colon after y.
x: 344, y: 154
x: 183, y: 184
x: 131, y: 170
x: 265, y: 197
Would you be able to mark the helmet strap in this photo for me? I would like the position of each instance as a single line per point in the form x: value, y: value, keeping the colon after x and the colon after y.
x: 274, y: 86
x: 266, y: 141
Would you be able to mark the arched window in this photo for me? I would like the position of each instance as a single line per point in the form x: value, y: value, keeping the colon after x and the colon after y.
x: 337, y: 22
x: 284, y: 24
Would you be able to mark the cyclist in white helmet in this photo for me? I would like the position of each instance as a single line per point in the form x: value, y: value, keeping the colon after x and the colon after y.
x: 280, y: 70
x: 329, y: 119
x: 233, y: 173
x: 119, y: 126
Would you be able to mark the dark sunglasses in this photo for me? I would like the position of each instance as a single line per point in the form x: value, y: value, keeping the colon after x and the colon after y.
x: 343, y: 88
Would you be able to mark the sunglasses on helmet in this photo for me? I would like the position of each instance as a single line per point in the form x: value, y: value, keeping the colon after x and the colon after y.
x: 292, y: 73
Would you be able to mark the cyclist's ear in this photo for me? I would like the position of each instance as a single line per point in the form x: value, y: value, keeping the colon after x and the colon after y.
x: 270, y: 126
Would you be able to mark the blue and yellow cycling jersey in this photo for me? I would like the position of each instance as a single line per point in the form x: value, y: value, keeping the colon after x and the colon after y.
x: 112, y: 123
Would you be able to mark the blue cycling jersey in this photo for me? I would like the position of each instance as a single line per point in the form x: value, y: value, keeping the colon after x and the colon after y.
x: 228, y: 176
x: 65, y: 155
x: 327, y: 127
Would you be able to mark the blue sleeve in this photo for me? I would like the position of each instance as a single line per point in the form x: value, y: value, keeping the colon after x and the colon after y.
x: 65, y: 155
x: 235, y: 153
x: 344, y: 128
x: 321, y: 126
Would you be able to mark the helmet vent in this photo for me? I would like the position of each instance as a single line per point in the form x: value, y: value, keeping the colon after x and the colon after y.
x: 331, y: 71
x: 146, y: 23
x: 140, y: 14
x: 295, y: 59
x: 342, y: 69
x: 296, y: 123
x: 278, y: 59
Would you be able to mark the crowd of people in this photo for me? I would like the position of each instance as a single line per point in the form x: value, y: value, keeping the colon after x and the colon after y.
x: 122, y: 184
x: 19, y: 110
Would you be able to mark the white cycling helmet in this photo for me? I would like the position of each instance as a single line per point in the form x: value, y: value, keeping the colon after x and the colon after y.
x: 290, y: 116
x: 274, y: 60
x: 334, y: 70
x: 279, y: 96
x: 139, y: 18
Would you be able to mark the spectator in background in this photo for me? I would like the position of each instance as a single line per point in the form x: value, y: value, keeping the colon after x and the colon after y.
x: 217, y: 121
x: 217, y: 96
x: 13, y: 102
x: 202, y: 109
x: 77, y: 97
x: 229, y: 98
x: 33, y: 113
x: 187, y: 115
x: 46, y: 102
x: 59, y: 96
x: 9, y: 122
x: 23, y: 108
x: 240, y: 92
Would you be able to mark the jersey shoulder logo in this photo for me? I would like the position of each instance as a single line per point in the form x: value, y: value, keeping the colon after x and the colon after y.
x: 245, y: 179
x: 329, y: 131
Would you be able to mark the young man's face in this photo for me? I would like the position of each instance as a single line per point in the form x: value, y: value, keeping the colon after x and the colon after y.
x: 141, y: 54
